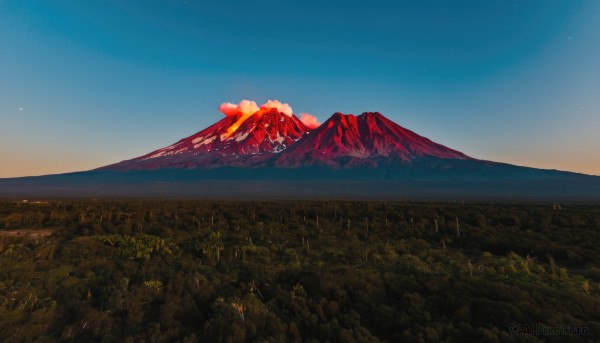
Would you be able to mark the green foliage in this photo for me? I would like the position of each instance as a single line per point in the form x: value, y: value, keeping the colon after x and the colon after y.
x: 301, y: 271
x: 141, y: 246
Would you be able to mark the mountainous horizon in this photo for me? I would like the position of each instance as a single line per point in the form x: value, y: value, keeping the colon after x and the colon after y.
x: 268, y: 151
x: 273, y: 136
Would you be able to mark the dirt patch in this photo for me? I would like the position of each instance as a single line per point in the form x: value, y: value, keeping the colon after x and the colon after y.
x: 27, y: 233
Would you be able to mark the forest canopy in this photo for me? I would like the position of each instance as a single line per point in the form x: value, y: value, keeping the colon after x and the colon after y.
x: 297, y: 271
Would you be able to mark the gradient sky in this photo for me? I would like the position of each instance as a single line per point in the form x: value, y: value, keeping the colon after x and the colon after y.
x: 88, y: 83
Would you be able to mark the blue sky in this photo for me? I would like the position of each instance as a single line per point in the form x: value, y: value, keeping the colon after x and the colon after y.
x: 88, y: 83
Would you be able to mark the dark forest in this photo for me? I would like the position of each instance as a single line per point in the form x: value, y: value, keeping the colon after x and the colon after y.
x: 298, y: 271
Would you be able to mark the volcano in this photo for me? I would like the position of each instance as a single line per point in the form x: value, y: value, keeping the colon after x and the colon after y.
x: 268, y: 152
x: 235, y: 141
x: 368, y: 140
x: 272, y: 143
x: 270, y: 138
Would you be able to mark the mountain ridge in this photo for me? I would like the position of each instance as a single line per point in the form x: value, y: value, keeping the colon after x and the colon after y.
x: 367, y: 140
x: 247, y: 144
x: 268, y: 152
x: 273, y: 138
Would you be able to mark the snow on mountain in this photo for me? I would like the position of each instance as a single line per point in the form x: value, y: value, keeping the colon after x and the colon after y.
x: 236, y: 140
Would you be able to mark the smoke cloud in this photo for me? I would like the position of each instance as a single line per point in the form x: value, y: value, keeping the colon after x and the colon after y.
x: 309, y: 120
x: 283, y: 108
x: 245, y: 108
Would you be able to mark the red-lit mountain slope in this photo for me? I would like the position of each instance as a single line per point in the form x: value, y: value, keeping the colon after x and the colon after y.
x: 257, y: 152
x: 243, y: 141
x: 367, y: 140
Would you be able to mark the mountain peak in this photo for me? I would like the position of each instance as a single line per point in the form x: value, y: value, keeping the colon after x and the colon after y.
x: 367, y: 140
x: 236, y: 140
x: 339, y: 116
x: 271, y: 135
x: 372, y: 114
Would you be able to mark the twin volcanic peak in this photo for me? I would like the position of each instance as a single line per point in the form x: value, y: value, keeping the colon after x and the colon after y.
x: 271, y: 135
x: 367, y: 140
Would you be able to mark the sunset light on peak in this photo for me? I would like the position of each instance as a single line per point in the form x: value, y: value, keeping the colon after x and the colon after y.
x: 283, y: 108
x: 247, y: 108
